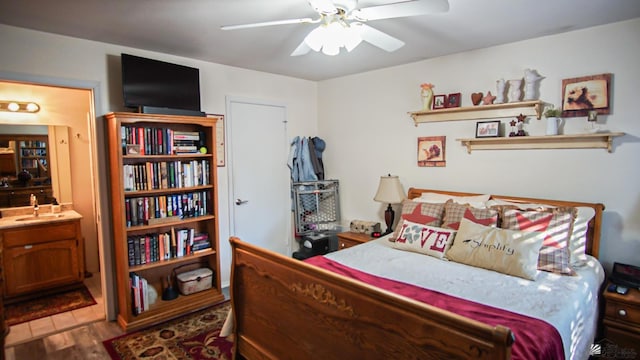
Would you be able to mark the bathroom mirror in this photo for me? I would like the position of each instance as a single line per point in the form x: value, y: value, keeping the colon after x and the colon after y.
x: 34, y: 159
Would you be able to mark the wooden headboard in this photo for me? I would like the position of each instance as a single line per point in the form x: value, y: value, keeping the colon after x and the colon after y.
x: 593, y: 232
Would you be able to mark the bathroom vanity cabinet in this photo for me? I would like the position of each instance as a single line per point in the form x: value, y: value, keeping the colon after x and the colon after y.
x: 41, y: 255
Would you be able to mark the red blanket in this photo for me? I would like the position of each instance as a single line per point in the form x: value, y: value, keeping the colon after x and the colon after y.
x: 535, y: 339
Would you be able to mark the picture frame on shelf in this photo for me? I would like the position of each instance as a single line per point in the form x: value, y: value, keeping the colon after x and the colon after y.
x: 439, y: 102
x: 431, y: 151
x: 488, y: 129
x: 584, y: 94
x: 453, y: 100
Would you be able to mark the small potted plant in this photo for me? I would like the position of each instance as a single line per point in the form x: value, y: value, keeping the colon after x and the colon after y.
x: 552, y: 112
x: 554, y: 121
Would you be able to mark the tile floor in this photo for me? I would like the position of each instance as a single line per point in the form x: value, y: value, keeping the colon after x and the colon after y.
x: 39, y: 328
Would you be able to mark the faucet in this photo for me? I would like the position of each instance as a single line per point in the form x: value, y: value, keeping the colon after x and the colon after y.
x: 33, y: 200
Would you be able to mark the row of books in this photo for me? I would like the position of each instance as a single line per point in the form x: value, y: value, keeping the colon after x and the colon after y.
x: 150, y: 248
x: 160, y: 141
x: 139, y: 293
x: 140, y: 210
x: 165, y: 174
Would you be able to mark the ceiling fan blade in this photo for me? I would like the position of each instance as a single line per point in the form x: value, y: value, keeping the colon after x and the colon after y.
x: 378, y: 38
x: 270, y: 23
x: 400, y: 9
x: 302, y: 49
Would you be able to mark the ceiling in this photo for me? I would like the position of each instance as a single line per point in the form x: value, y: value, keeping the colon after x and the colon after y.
x: 191, y: 28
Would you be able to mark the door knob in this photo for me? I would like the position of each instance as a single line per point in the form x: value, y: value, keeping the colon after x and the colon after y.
x: 240, y: 202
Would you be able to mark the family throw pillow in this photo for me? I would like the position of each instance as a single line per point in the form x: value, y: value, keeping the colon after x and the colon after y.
x: 419, y: 213
x: 424, y: 239
x: 506, y: 251
x: 557, y: 225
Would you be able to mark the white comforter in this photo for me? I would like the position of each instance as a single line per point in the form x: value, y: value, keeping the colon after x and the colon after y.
x: 569, y: 303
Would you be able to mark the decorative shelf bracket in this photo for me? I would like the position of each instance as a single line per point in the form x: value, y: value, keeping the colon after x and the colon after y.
x: 579, y: 141
x: 492, y: 111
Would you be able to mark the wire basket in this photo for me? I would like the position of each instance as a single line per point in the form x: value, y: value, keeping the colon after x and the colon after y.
x: 317, y: 206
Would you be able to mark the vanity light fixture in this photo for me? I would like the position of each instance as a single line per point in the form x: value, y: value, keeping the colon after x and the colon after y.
x: 19, y: 106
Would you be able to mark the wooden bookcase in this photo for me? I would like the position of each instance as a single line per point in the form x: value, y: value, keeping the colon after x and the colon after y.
x: 33, y: 156
x: 198, y: 214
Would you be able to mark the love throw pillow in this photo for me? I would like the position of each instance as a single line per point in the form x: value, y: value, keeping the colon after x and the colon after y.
x: 420, y: 213
x: 506, y: 251
x: 424, y: 239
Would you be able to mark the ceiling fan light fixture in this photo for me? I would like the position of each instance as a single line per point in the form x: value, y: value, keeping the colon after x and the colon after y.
x: 315, y: 39
x: 352, y: 38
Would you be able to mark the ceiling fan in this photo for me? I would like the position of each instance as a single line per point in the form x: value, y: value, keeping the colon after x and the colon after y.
x: 342, y: 24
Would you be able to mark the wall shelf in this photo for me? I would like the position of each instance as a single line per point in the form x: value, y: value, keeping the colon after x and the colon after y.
x: 576, y: 141
x: 492, y: 111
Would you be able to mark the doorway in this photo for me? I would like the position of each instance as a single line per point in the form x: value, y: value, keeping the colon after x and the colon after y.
x: 84, y: 137
x: 259, y: 201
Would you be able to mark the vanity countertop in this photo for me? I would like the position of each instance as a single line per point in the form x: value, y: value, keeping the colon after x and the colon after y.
x: 23, y: 216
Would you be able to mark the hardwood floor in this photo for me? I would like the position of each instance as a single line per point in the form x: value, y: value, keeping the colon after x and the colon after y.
x: 80, y: 343
x: 77, y: 334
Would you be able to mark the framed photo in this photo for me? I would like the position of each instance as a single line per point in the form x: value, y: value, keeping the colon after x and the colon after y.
x: 439, y: 102
x: 486, y: 129
x: 453, y: 100
x: 584, y: 94
x: 431, y: 151
x: 220, y: 142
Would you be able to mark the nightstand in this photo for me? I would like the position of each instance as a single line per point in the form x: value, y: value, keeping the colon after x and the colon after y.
x: 622, y: 320
x: 348, y: 239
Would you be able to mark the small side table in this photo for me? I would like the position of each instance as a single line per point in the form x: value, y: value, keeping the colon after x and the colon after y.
x: 622, y: 321
x: 348, y: 239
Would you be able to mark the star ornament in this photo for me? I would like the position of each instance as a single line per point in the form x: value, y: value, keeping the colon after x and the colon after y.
x: 488, y: 99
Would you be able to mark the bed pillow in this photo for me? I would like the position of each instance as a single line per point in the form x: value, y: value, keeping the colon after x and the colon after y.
x: 424, y: 239
x: 420, y: 213
x: 507, y: 251
x: 474, y: 200
x: 557, y: 225
x: 454, y: 212
x: 578, y: 240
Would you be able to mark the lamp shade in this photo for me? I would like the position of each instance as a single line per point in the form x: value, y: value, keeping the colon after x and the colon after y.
x: 389, y: 191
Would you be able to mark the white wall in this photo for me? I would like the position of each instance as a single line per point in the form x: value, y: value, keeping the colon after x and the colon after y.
x: 52, y: 56
x: 370, y: 134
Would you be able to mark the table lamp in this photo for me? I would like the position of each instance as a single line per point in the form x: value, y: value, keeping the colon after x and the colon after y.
x: 390, y: 192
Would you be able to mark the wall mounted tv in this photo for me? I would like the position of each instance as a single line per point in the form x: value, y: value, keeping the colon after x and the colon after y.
x: 155, y: 86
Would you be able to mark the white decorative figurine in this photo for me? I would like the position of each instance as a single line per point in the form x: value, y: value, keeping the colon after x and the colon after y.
x: 531, y: 77
x: 514, y: 90
x: 500, y: 86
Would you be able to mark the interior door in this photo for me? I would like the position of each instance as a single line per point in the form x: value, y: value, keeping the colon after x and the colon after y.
x: 259, y: 176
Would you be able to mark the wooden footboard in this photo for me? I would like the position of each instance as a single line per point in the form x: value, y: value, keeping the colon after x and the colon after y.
x: 287, y: 309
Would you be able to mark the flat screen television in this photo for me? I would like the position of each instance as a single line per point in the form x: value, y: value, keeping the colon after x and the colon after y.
x: 154, y: 84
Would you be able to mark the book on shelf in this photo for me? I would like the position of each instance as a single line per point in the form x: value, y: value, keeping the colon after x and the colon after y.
x: 158, y: 141
x: 153, y: 247
x: 139, y: 288
x: 166, y: 175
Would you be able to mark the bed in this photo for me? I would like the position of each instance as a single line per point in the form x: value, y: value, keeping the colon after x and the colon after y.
x: 354, y: 304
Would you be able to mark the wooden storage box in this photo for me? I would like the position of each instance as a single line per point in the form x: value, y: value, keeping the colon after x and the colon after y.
x: 194, y: 281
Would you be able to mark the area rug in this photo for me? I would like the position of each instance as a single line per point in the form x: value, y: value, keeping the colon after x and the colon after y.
x: 47, y: 306
x: 194, y: 336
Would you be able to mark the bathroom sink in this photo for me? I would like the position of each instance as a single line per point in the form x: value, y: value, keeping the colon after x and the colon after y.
x: 40, y: 217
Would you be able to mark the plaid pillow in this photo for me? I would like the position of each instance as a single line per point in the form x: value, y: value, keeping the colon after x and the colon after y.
x: 557, y: 225
x: 419, y: 213
x: 454, y: 213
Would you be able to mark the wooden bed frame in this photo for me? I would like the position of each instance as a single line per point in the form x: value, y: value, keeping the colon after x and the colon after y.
x: 287, y: 309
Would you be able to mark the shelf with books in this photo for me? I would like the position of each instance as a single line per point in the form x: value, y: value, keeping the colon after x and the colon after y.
x: 172, y: 262
x: 164, y: 201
